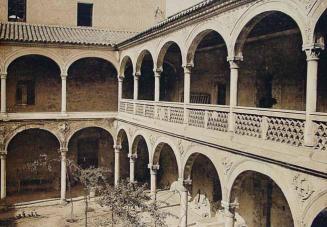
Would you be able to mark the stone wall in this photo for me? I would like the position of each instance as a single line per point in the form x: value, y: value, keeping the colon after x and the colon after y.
x: 123, y: 15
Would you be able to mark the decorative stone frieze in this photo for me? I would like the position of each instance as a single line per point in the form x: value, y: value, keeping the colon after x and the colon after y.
x: 303, y: 187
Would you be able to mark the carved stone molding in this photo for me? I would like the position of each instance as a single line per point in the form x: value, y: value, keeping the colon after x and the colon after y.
x: 227, y: 164
x: 180, y: 147
x: 303, y: 187
x: 153, y: 140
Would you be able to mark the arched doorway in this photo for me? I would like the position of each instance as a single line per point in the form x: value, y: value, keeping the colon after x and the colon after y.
x: 205, y: 189
x: 210, y: 74
x: 93, y: 148
x: 146, y: 78
x: 92, y: 86
x: 35, y: 83
x: 140, y: 148
x: 123, y: 157
x: 168, y: 168
x: 261, y: 201
x: 33, y: 166
x: 273, y: 73
x: 172, y: 75
x: 128, y: 82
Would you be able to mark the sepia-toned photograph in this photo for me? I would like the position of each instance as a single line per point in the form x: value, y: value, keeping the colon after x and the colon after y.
x: 163, y: 113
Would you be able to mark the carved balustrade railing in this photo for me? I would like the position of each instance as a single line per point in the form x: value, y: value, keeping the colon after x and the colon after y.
x: 282, y: 126
x: 320, y: 127
x: 170, y: 112
x: 208, y: 116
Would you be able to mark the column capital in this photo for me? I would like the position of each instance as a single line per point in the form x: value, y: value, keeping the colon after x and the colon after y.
x: 153, y: 167
x: 117, y: 147
x: 234, y: 61
x: 313, y: 54
x: 64, y: 76
x: 3, y: 75
x: 3, y: 154
x: 230, y: 206
x: 120, y: 78
x: 188, y: 68
x: 63, y: 151
x: 157, y: 72
x: 132, y: 156
x: 137, y: 75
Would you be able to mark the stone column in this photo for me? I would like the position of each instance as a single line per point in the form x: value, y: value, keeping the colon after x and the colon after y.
x: 63, y: 93
x: 234, y: 68
x: 229, y: 213
x: 3, y: 93
x: 120, y: 90
x: 136, y: 86
x: 132, y: 159
x: 3, y: 156
x: 157, y: 74
x: 153, y: 173
x: 187, y: 90
x: 117, y: 163
x: 183, y: 201
x: 63, y: 152
x: 311, y: 99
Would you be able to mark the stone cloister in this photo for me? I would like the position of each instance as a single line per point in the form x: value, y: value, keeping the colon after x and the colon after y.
x: 224, y: 104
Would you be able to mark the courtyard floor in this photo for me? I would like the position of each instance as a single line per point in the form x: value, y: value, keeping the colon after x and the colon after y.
x: 48, y: 213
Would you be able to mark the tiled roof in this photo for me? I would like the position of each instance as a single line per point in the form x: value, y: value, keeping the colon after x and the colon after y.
x: 23, y: 32
x: 194, y: 10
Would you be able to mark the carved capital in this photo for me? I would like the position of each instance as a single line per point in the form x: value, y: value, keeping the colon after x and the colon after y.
x: 3, y: 76
x: 137, y: 75
x: 231, y: 207
x: 132, y: 156
x: 64, y: 76
x: 153, y: 167
x: 157, y: 72
x: 63, y: 151
x: 3, y: 154
x: 313, y: 54
x: 234, y: 61
x: 117, y: 148
x: 188, y: 68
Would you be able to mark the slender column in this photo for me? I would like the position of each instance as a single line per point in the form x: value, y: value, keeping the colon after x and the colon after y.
x: 187, y: 90
x: 3, y: 93
x: 157, y: 74
x: 3, y: 155
x: 63, y: 93
x: 229, y: 213
x: 234, y: 68
x: 120, y: 90
x: 63, y: 152
x: 136, y: 85
x: 153, y: 173
x: 183, y: 201
x: 311, y: 99
x: 132, y: 159
x: 117, y: 163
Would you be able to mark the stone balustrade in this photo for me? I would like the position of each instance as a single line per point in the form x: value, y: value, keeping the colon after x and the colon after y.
x: 280, y: 126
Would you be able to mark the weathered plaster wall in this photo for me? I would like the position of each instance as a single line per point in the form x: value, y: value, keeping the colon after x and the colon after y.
x: 116, y: 15
x: 19, y: 165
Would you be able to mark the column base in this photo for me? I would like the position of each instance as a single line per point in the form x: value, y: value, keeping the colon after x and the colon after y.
x: 63, y: 202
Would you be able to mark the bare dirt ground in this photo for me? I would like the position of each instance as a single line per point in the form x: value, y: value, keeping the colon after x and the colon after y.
x: 51, y: 214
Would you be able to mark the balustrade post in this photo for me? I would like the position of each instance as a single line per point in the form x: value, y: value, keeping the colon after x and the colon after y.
x: 187, y: 90
x: 63, y: 152
x: 229, y: 212
x: 3, y: 93
x: 153, y: 173
x: 311, y: 91
x: 264, y: 127
x: 136, y: 85
x: 234, y: 69
x: 132, y: 159
x: 117, y: 163
x: 206, y: 118
x: 3, y: 156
